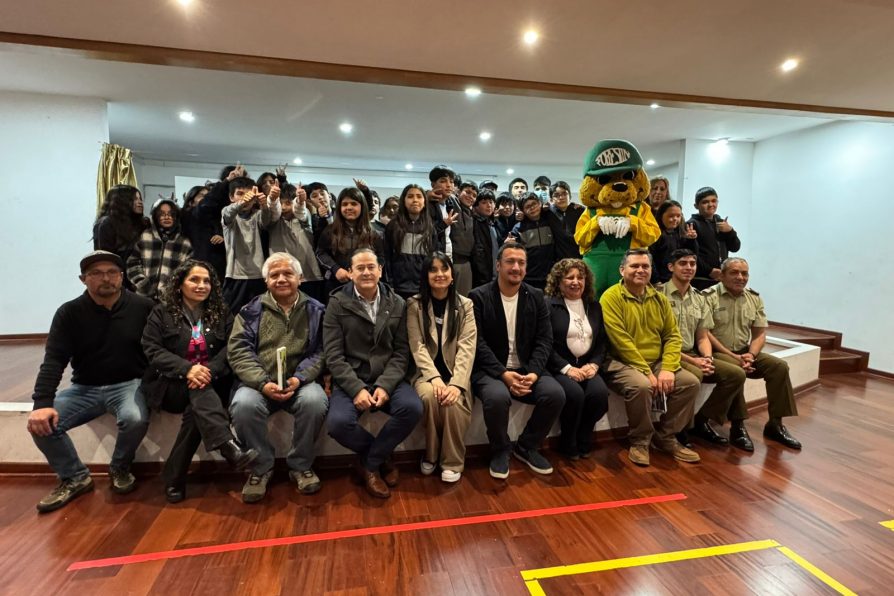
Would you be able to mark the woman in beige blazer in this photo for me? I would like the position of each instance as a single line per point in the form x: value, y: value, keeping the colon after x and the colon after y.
x: 443, y: 336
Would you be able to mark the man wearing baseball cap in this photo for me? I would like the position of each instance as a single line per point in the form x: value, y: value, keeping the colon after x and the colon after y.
x: 99, y: 334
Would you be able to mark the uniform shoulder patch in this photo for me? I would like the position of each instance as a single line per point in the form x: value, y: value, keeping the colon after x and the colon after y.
x: 750, y: 291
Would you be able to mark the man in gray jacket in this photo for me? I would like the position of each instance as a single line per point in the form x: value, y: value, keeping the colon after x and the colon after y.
x: 366, y: 350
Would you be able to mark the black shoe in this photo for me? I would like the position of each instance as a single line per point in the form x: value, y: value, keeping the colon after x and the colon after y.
x: 65, y: 493
x: 499, y: 465
x: 777, y: 432
x: 738, y: 438
x: 704, y: 430
x: 683, y: 438
x: 175, y: 494
x: 237, y: 457
x: 533, y: 458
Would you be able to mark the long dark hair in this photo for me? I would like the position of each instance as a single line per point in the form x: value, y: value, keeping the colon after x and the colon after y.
x: 425, y: 294
x: 403, y: 223
x: 215, y: 309
x: 118, y: 207
x: 341, y: 228
x: 662, y: 209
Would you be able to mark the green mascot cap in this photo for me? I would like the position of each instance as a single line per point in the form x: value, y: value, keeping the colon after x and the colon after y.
x: 611, y: 156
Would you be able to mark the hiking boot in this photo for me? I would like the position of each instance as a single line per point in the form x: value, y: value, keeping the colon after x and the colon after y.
x: 65, y: 493
x: 123, y: 481
x: 255, y: 487
x: 307, y: 481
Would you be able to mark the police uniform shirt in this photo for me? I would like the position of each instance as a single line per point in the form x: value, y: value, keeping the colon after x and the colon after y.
x: 734, y: 316
x: 691, y: 311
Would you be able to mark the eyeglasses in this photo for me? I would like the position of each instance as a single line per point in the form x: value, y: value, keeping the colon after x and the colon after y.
x: 103, y: 274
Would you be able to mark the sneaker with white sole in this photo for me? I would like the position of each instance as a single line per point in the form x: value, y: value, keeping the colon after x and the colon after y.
x: 499, y: 465
x: 450, y: 476
x: 534, y: 459
x: 427, y: 468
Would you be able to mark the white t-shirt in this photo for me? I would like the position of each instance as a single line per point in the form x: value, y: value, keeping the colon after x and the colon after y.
x: 448, y: 243
x: 580, y: 334
x: 510, y: 306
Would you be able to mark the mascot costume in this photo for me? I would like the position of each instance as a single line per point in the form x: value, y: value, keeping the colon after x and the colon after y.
x: 618, y: 217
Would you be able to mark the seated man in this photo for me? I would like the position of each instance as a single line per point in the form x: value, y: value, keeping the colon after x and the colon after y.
x: 694, y: 320
x: 514, y: 344
x: 739, y: 334
x: 281, y: 317
x: 645, y: 361
x: 99, y: 333
x: 367, y: 352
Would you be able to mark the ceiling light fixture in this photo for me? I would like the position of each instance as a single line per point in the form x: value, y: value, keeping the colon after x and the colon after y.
x: 654, y: 106
x: 789, y: 65
x: 187, y: 116
x: 484, y: 136
x: 472, y: 92
x: 650, y: 162
x: 510, y: 171
x: 408, y: 166
x: 530, y: 37
x: 346, y: 127
x: 185, y: 2
x: 297, y: 161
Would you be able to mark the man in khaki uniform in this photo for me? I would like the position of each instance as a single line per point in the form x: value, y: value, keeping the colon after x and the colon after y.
x: 739, y: 334
x: 694, y: 319
x: 645, y: 361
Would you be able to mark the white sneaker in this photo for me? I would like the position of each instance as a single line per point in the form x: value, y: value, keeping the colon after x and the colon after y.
x: 450, y: 476
x: 426, y: 467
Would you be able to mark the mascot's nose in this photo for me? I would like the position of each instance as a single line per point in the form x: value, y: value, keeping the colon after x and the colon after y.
x: 619, y: 187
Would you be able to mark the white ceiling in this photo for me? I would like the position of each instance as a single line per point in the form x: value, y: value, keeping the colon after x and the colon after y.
x: 720, y: 48
x: 267, y: 119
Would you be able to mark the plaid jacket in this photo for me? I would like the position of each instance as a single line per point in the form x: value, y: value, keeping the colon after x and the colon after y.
x: 154, y: 259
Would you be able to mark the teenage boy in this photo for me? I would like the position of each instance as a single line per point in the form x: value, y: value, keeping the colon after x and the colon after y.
x: 293, y: 234
x: 716, y: 238
x: 567, y: 213
x: 442, y: 205
x: 248, y: 213
x: 462, y: 237
x: 541, y: 188
x: 487, y: 240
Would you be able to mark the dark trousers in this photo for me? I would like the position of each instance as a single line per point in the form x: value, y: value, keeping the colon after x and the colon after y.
x: 239, y: 292
x: 586, y: 402
x: 547, y: 398
x: 774, y: 372
x: 404, y: 410
x: 204, y: 419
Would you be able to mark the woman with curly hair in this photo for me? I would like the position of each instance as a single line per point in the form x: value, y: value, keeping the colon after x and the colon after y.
x: 120, y: 221
x: 185, y: 341
x: 579, y: 349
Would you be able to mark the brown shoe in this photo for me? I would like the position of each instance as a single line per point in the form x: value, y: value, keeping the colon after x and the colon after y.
x: 389, y: 473
x: 371, y: 481
x: 639, y: 454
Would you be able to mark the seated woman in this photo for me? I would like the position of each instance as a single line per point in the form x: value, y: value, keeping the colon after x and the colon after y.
x: 185, y: 341
x: 674, y: 234
x: 579, y: 348
x: 442, y: 334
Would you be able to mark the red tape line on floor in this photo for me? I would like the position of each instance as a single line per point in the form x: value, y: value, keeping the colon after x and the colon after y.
x: 394, y: 529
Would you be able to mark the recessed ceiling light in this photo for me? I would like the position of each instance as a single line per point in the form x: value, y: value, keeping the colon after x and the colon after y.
x: 408, y: 166
x: 530, y: 37
x: 187, y: 116
x: 789, y: 65
x: 297, y: 161
x: 510, y: 171
x: 650, y: 162
x: 484, y: 136
x: 346, y: 127
x: 473, y: 92
x: 654, y: 106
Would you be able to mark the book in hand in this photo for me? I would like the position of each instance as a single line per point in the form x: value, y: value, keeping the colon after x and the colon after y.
x: 281, y: 366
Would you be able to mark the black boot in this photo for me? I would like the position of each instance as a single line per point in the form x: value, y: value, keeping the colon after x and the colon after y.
x: 236, y: 456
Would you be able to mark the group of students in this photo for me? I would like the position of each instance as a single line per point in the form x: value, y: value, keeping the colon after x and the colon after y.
x: 437, y: 301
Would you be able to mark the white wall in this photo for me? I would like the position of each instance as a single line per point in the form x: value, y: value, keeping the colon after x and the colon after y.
x: 729, y: 171
x: 50, y: 154
x: 822, y: 205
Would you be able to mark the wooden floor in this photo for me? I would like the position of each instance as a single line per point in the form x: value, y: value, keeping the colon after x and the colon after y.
x: 825, y: 504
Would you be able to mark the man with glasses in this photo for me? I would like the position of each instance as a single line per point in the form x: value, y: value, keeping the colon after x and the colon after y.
x: 567, y: 213
x: 99, y: 334
x: 645, y: 361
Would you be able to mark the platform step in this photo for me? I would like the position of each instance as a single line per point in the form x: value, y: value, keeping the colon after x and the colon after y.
x: 814, y: 337
x: 842, y: 361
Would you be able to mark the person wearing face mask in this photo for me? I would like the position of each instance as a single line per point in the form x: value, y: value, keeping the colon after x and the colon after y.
x: 674, y: 236
x: 567, y: 213
x: 159, y: 251
x: 716, y: 238
x: 541, y: 189
x: 409, y: 239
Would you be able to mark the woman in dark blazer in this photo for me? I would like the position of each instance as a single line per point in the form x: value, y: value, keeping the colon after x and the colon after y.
x: 579, y: 348
x: 185, y: 341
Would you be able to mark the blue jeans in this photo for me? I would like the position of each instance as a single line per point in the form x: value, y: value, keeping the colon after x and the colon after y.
x: 249, y: 411
x: 404, y: 410
x: 79, y: 404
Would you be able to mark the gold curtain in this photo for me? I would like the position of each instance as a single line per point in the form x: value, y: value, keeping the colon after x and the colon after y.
x: 115, y: 167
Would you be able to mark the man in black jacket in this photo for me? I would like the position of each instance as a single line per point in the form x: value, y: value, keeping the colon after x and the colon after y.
x: 716, y: 238
x: 99, y: 334
x: 567, y: 213
x: 487, y: 241
x: 366, y: 349
x: 514, y: 344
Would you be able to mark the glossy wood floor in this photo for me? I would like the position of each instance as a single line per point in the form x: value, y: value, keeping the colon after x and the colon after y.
x: 824, y: 503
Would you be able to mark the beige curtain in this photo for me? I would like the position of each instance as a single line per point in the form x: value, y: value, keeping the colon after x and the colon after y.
x: 115, y: 167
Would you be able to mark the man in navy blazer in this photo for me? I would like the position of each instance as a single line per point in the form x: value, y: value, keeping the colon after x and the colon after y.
x: 514, y: 344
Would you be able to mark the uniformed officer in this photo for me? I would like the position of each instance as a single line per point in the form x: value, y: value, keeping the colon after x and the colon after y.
x: 694, y: 319
x: 739, y: 334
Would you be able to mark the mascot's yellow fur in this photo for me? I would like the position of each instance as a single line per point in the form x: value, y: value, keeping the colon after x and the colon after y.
x: 618, y: 217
